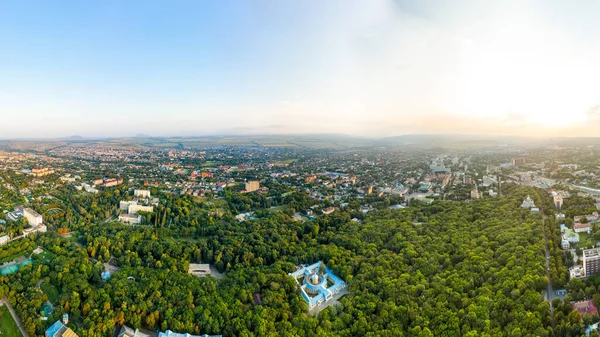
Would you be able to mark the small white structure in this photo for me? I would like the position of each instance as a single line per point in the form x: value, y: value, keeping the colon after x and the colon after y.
x: 199, y: 269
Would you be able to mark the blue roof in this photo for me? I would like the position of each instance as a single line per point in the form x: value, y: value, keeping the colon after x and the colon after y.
x: 54, y: 328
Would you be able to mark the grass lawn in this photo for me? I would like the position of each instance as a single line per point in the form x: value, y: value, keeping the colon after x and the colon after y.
x: 276, y: 209
x: 8, y: 327
x: 46, y: 255
x: 51, y: 291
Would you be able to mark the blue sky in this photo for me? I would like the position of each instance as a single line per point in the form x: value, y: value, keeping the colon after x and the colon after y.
x: 375, y: 68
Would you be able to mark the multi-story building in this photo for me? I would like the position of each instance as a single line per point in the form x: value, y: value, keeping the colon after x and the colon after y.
x: 518, y: 161
x: 113, y: 182
x: 252, y: 186
x: 141, y: 193
x: 41, y: 228
x: 41, y: 171
x: 134, y: 208
x: 591, y: 261
x: 33, y: 217
x: 130, y: 218
x: 582, y: 227
x: 558, y: 201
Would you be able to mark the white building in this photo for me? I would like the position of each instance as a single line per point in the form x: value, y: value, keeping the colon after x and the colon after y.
x: 133, y: 209
x: 141, y: 193
x: 130, y: 218
x: 528, y: 203
x: 4, y: 240
x: 33, y: 217
x: 198, y: 269
x: 41, y: 228
x: 558, y: 201
x: 576, y: 272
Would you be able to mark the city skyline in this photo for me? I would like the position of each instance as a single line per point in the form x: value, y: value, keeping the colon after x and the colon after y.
x: 373, y: 69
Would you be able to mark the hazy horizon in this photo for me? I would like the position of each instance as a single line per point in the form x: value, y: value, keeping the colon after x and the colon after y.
x: 377, y: 68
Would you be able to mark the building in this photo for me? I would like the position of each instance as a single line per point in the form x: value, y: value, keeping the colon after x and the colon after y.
x: 170, y: 333
x: 571, y: 236
x: 134, y: 208
x: 252, y: 186
x: 58, y: 329
x: 329, y: 210
x: 89, y: 188
x: 41, y: 171
x: 518, y: 161
x: 591, y: 261
x: 474, y: 194
x: 33, y: 217
x: 41, y: 228
x: 198, y: 269
x: 558, y: 201
x: 113, y: 182
x: 585, y: 307
x: 4, y: 240
x: 130, y: 218
x: 124, y: 205
x: 590, y: 217
x: 582, y: 227
x: 141, y: 193
x: 129, y: 332
x: 424, y: 187
x: 16, y: 214
x: 318, y: 284
x: 576, y: 272
x: 528, y: 203
x: 565, y: 244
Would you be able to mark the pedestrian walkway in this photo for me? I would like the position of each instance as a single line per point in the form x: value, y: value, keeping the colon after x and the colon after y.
x: 5, y: 302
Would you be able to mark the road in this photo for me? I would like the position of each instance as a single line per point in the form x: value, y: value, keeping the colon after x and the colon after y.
x: 549, y: 291
x: 14, y: 315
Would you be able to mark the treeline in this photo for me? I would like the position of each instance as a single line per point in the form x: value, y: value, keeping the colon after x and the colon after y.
x: 445, y: 269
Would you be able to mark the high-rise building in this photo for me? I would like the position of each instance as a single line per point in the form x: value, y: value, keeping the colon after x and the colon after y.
x: 33, y: 217
x: 591, y: 261
x: 558, y: 201
x: 518, y: 161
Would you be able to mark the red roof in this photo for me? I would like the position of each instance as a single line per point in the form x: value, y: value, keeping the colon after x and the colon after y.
x: 586, y: 307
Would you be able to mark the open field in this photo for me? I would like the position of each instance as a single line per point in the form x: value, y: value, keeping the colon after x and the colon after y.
x: 8, y: 327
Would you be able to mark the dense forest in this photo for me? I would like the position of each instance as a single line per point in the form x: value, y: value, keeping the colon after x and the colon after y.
x: 445, y: 269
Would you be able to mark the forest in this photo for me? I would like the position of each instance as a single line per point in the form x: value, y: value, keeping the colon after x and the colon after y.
x: 445, y: 269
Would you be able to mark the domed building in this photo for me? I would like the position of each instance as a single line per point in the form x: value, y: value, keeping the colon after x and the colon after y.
x: 318, y: 284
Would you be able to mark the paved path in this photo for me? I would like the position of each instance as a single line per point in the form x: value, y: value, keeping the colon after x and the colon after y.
x: 14, y: 315
x: 550, y: 291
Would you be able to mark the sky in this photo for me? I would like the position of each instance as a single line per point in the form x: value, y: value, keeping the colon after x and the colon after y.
x: 371, y: 68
